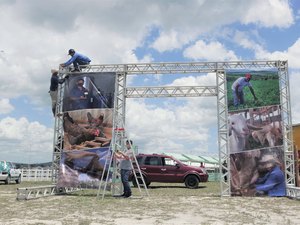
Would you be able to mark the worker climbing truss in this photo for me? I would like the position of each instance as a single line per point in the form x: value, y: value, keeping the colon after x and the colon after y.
x: 219, y: 91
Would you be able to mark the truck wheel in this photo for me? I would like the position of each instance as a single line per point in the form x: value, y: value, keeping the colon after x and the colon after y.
x: 139, y: 180
x: 191, y: 181
x: 7, y: 181
x: 18, y: 181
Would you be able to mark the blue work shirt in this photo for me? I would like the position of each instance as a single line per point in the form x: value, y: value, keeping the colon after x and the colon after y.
x: 78, y: 56
x: 272, y: 183
x: 79, y: 103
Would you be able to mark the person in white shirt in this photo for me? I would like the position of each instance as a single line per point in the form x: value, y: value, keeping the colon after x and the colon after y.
x: 237, y: 89
x: 126, y: 168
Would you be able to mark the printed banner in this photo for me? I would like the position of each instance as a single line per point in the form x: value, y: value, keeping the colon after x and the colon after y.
x: 252, y: 89
x: 89, y: 91
x: 255, y: 134
x: 88, y: 105
x: 83, y: 168
x: 258, y: 173
x: 88, y: 128
x: 255, y: 128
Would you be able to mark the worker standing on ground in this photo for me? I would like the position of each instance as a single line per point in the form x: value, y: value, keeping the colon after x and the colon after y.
x: 77, y: 59
x: 126, y: 167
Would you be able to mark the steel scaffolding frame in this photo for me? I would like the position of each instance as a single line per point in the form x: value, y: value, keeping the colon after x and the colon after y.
x: 170, y: 91
x: 58, y: 131
x: 223, y: 134
x: 220, y: 90
x: 286, y: 123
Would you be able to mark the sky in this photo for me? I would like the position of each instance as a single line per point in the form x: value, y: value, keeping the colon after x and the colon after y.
x: 36, y: 36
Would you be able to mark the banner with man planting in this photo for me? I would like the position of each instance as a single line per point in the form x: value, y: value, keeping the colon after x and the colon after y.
x: 255, y: 133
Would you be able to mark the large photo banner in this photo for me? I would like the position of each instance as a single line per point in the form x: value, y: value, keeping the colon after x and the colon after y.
x: 89, y: 91
x: 255, y: 134
x: 88, y: 105
x: 83, y: 168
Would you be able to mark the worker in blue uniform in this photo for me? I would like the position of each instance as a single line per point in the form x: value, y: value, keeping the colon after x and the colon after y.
x: 77, y: 59
x: 272, y: 183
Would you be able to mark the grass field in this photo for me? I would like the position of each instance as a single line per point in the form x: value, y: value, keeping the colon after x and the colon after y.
x: 167, y: 204
x: 267, y: 92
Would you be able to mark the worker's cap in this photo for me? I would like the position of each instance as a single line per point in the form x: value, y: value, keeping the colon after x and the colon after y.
x: 54, y: 71
x: 248, y: 75
x: 71, y: 51
x: 268, y: 158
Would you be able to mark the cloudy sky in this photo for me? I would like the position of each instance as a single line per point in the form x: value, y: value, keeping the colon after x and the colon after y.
x: 36, y: 35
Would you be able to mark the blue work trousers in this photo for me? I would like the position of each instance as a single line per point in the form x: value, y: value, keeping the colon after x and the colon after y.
x: 124, y: 177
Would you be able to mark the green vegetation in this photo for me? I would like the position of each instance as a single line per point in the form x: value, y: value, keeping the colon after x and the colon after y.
x: 266, y: 88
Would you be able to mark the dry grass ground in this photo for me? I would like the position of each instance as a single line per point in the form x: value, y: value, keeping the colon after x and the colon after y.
x: 168, y: 204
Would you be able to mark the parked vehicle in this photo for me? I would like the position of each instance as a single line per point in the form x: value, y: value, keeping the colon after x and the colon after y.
x: 167, y: 169
x: 8, y: 172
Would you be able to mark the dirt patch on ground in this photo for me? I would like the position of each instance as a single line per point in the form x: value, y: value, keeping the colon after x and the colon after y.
x: 168, y: 204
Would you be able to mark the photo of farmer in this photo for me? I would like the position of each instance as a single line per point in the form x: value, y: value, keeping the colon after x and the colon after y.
x: 238, y: 89
x: 89, y: 91
x: 255, y: 128
x: 258, y: 172
x: 88, y: 128
x: 271, y: 181
x: 252, y: 89
x: 82, y: 168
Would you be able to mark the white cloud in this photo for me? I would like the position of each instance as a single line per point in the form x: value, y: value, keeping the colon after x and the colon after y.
x: 244, y: 40
x: 213, y: 51
x: 292, y: 54
x: 25, y: 68
x: 170, y: 40
x: 175, y: 129
x: 168, y: 126
x: 270, y: 13
x: 202, y: 17
x: 6, y: 107
x: 24, y: 141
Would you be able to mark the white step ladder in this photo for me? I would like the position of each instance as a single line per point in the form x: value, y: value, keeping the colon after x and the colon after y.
x: 119, y: 144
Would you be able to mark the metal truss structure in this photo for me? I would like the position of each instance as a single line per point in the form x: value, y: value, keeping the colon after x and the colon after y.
x: 293, y: 192
x: 287, y: 123
x: 220, y: 91
x: 169, y: 91
x: 35, y: 192
x: 223, y: 134
x: 42, y: 191
x: 58, y: 132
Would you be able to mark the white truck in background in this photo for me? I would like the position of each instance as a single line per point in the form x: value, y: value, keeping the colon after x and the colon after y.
x: 8, y: 172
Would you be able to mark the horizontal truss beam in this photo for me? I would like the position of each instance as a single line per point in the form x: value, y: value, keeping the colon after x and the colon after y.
x: 173, y: 67
x: 293, y: 192
x: 170, y: 91
x: 28, y: 193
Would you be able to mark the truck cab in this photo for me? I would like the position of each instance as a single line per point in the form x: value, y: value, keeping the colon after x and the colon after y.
x: 8, y: 172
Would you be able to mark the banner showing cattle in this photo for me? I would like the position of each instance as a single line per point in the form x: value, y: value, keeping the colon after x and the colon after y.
x: 88, y: 104
x: 255, y: 134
